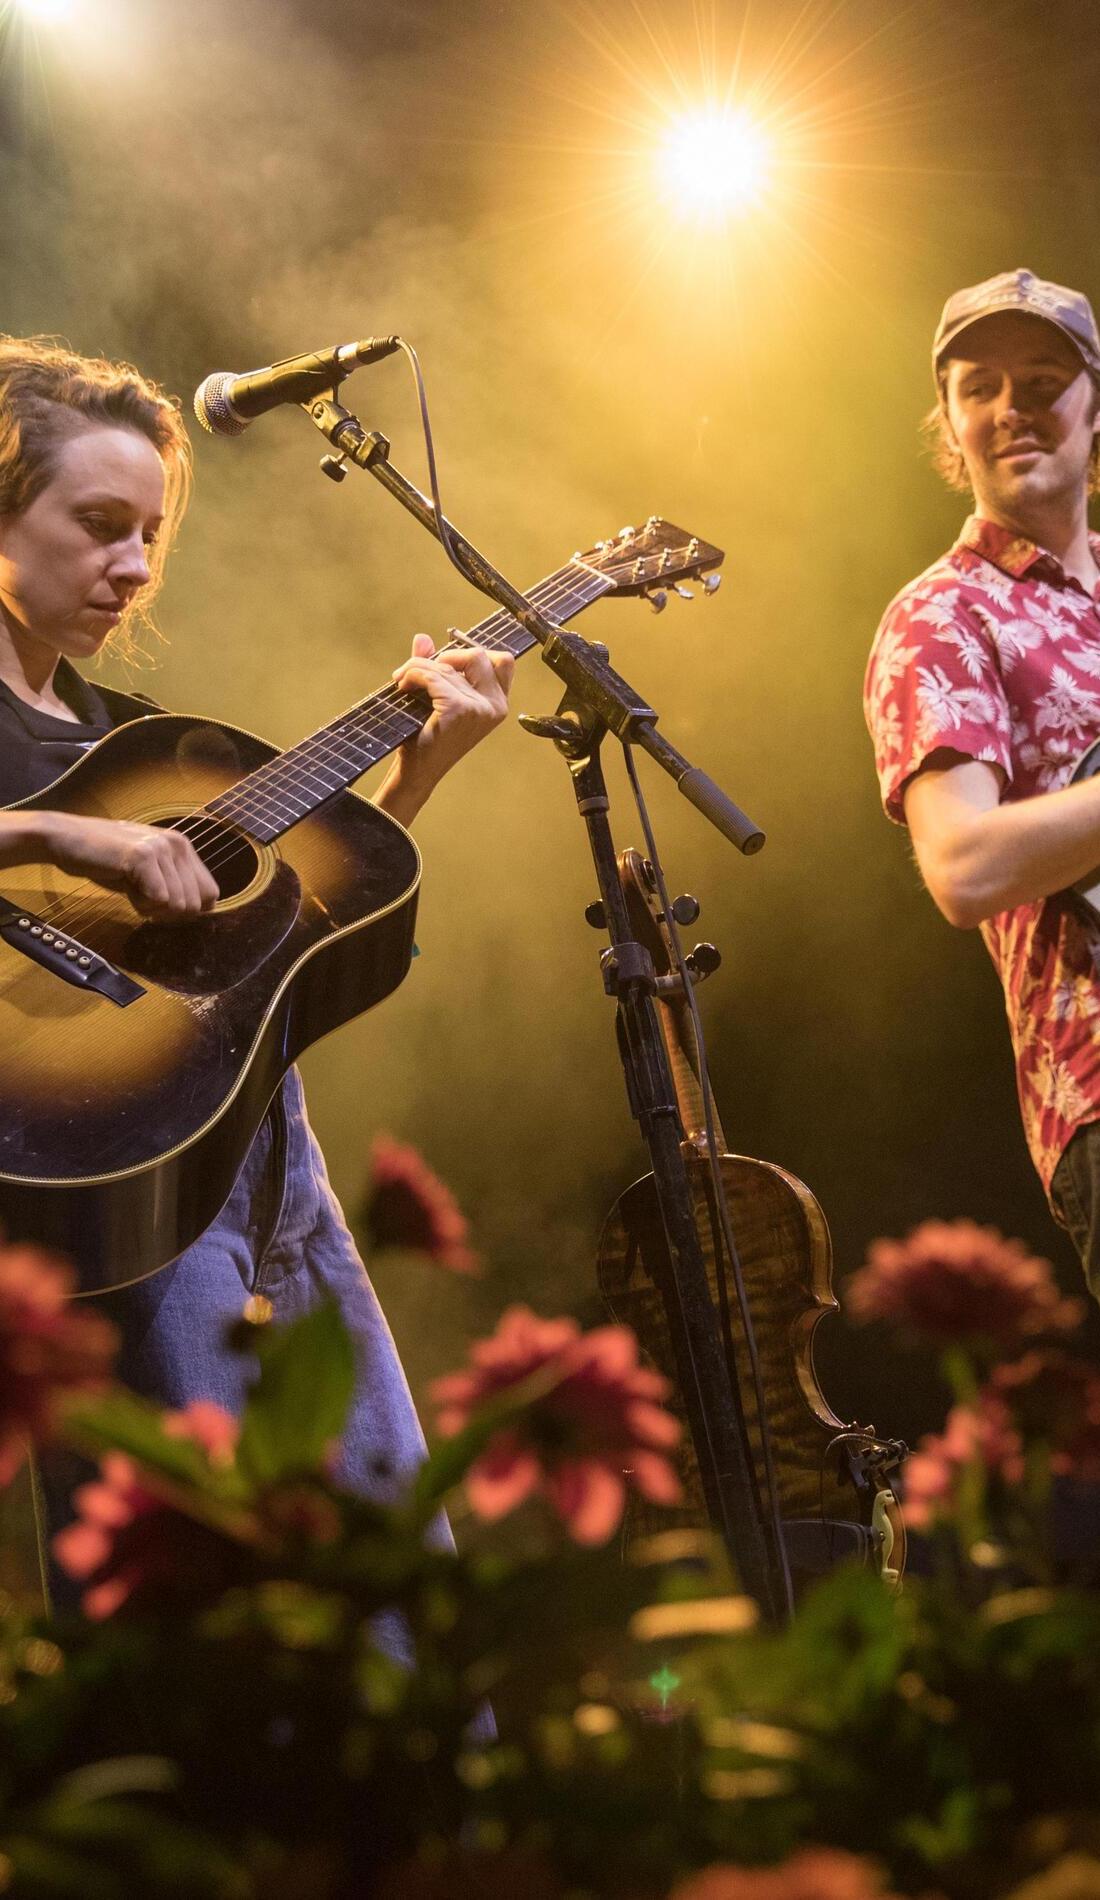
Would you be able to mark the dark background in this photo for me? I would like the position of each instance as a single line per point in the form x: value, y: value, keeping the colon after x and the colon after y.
x: 217, y: 185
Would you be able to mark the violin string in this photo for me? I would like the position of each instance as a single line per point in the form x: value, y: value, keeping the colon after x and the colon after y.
x: 87, y: 901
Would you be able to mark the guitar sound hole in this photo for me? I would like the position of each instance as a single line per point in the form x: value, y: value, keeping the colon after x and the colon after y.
x: 228, y: 855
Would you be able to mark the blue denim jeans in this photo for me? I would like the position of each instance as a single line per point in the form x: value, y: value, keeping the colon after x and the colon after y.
x: 281, y: 1233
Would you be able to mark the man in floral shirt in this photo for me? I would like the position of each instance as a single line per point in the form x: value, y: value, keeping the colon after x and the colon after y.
x: 983, y: 691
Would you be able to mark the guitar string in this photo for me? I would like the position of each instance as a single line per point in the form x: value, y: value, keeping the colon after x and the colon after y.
x: 219, y: 822
x: 333, y: 746
x: 291, y: 772
x: 90, y: 901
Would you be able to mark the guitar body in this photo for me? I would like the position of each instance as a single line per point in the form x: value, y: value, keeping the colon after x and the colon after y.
x: 785, y: 1252
x: 123, y: 1128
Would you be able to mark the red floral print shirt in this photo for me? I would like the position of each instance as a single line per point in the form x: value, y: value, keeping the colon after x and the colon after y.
x: 994, y: 653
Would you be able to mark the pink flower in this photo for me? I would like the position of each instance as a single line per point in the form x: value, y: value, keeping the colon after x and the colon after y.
x: 48, y: 1346
x: 984, y: 1431
x: 407, y: 1205
x: 953, y: 1280
x: 815, y: 1873
x: 134, y: 1548
x: 597, y: 1423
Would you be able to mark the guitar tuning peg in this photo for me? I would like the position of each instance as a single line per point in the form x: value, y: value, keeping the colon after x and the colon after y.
x: 711, y: 584
x: 627, y: 534
x: 658, y: 600
x: 685, y: 593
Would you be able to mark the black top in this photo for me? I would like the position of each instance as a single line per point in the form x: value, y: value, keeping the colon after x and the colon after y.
x: 36, y: 747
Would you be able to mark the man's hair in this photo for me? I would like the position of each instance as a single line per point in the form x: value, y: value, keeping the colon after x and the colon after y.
x: 48, y: 395
x: 946, y: 455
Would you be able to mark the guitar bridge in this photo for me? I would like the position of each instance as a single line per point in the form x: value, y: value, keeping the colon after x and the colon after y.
x: 65, y: 956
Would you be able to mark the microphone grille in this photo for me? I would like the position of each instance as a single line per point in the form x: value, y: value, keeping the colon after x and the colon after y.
x: 213, y: 407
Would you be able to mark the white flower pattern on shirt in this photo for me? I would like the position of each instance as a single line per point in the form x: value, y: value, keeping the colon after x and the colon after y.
x: 994, y: 654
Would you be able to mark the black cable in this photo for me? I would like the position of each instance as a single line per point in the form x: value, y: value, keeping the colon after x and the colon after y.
x: 446, y: 543
x: 721, y: 1203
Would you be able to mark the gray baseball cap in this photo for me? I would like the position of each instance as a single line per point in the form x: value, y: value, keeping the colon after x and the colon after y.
x: 1068, y: 310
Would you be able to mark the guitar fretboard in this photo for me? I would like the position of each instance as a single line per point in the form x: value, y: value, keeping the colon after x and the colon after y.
x: 277, y: 795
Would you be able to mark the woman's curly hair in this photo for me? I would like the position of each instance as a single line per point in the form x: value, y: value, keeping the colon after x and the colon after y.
x: 48, y: 394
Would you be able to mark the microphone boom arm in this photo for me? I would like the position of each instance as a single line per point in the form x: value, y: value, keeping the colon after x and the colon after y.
x: 580, y: 664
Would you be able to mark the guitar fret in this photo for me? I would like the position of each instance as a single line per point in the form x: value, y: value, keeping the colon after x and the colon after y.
x: 283, y: 790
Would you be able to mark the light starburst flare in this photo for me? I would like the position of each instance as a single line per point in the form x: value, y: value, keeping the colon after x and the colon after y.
x: 714, y: 161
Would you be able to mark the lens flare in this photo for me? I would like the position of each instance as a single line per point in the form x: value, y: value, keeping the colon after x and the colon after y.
x: 713, y: 162
x: 47, y: 12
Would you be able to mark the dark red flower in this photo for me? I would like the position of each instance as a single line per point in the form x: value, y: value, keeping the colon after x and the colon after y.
x: 597, y: 1423
x: 131, y: 1547
x: 1056, y: 1398
x: 953, y: 1280
x: 49, y: 1345
x: 406, y: 1205
x: 815, y: 1873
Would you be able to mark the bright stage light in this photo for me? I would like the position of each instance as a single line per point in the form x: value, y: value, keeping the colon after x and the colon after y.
x: 47, y: 12
x: 714, y: 161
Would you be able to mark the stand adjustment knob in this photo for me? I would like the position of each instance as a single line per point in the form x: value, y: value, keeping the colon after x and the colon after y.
x: 685, y: 909
x: 595, y: 915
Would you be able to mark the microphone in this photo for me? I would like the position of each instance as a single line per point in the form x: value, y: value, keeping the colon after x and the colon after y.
x: 226, y: 403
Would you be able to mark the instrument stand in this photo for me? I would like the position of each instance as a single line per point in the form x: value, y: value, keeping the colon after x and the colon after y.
x: 713, y: 1406
x: 597, y: 701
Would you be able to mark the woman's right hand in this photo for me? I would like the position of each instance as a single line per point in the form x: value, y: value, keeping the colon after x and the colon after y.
x: 158, y: 870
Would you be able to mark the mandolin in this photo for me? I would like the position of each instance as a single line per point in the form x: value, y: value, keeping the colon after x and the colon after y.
x: 140, y: 1058
x: 832, y: 1480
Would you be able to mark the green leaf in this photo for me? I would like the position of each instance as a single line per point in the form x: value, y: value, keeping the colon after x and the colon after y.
x: 299, y: 1404
x: 449, y: 1461
x: 118, y: 1420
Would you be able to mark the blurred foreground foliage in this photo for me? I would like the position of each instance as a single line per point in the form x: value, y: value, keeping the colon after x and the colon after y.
x: 316, y: 1698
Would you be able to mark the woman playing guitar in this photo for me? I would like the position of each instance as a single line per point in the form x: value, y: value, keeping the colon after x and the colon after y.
x: 94, y: 476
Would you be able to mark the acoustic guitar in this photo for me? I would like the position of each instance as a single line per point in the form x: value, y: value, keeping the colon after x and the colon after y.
x: 834, y: 1482
x: 140, y: 1058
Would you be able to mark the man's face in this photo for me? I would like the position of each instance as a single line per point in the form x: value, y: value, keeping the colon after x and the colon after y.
x: 1023, y: 410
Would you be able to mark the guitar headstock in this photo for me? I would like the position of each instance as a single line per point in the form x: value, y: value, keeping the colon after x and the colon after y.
x: 651, y: 559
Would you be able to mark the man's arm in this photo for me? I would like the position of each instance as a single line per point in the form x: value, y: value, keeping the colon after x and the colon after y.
x: 979, y: 856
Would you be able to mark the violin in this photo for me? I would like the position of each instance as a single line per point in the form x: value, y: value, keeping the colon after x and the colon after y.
x: 833, y: 1481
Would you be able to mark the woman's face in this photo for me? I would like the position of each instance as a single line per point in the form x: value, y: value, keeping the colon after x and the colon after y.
x: 74, y: 559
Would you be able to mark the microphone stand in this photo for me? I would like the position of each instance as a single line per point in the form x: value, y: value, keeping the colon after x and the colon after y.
x: 597, y: 701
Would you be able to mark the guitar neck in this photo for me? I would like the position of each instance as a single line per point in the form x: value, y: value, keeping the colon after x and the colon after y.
x: 279, y: 794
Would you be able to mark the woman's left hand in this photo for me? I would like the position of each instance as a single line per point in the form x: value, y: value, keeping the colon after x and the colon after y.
x: 468, y: 688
